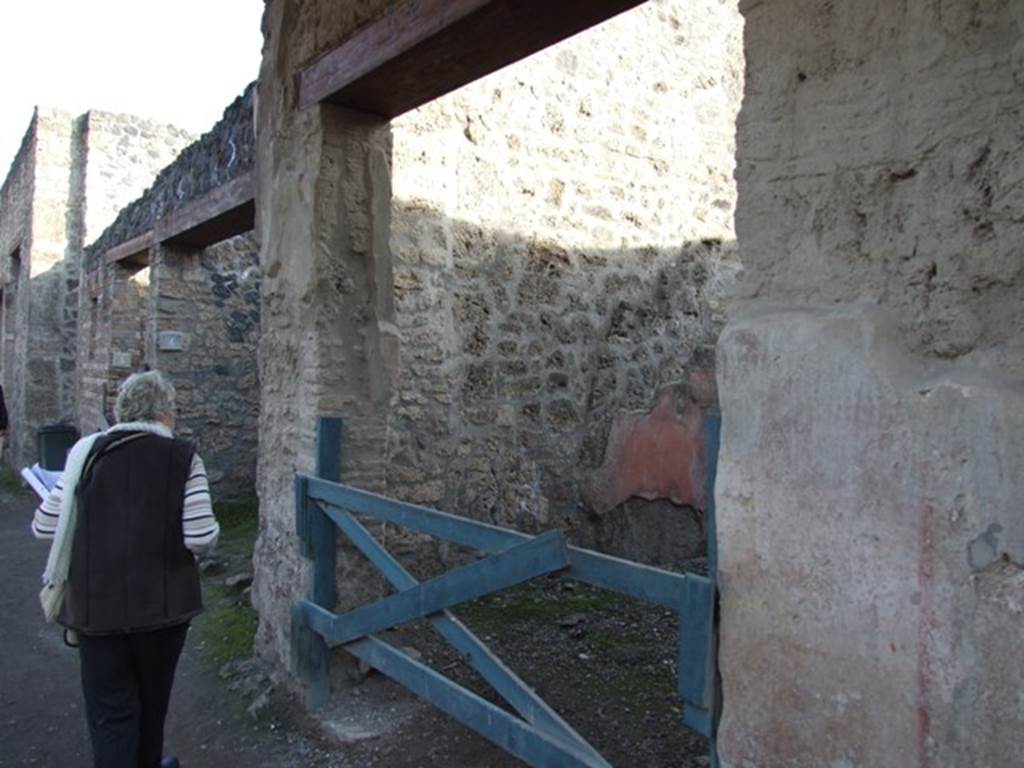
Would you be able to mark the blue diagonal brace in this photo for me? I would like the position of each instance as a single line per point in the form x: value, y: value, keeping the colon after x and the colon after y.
x: 544, y: 554
x: 515, y: 736
x: 643, y: 582
x: 491, y: 668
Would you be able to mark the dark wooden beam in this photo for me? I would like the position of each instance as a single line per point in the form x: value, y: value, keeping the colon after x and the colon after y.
x: 423, y: 49
x: 132, y: 250
x: 224, y: 212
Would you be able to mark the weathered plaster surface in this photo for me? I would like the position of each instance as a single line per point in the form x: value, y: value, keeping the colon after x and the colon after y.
x: 654, y: 456
x: 869, y: 539
x: 871, y: 548
x: 879, y: 159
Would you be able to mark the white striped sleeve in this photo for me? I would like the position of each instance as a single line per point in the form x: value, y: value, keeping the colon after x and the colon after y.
x: 200, y: 527
x: 44, y: 521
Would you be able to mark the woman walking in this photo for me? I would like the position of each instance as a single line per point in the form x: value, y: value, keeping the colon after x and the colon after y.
x: 132, y: 506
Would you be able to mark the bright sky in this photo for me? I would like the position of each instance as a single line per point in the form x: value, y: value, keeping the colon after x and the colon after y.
x: 178, y: 61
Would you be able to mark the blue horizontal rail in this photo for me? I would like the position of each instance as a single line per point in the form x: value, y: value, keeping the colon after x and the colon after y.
x: 643, y: 582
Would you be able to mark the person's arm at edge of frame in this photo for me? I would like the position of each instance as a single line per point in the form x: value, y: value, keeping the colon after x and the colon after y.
x: 47, y: 515
x: 199, y: 526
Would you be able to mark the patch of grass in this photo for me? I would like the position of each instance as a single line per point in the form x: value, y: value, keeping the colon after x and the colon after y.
x: 239, y: 522
x: 238, y: 517
x: 11, y: 483
x: 226, y: 629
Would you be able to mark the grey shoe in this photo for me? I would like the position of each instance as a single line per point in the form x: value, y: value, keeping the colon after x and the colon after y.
x: 170, y: 762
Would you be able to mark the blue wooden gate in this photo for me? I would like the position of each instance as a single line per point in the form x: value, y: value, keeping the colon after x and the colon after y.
x: 538, y: 735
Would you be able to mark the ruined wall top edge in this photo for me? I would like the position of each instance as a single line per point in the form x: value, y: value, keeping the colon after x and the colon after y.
x: 24, y: 150
x: 223, y: 153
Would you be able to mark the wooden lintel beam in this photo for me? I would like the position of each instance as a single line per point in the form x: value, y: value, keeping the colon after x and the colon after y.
x: 423, y: 49
x: 131, y: 249
x: 223, y: 212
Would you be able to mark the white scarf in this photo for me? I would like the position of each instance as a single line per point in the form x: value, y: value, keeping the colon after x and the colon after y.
x: 58, y: 563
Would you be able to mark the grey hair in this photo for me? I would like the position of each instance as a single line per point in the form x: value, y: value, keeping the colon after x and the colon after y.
x: 144, y: 397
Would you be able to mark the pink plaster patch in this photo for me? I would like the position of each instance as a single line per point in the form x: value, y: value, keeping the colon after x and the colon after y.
x: 659, y: 455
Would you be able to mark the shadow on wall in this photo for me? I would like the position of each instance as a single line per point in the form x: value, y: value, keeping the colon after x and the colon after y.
x: 539, y: 386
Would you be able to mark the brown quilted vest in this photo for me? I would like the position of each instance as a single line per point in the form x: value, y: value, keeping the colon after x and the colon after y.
x: 130, y: 570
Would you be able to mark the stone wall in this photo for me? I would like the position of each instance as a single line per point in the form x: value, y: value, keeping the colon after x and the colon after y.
x: 561, y: 245
x: 297, y: 196
x: 224, y: 153
x: 71, y: 176
x: 207, y: 298
x: 870, y: 542
x: 111, y: 338
x: 15, y: 246
x: 60, y: 156
x: 211, y: 298
x: 499, y: 289
x: 124, y: 155
x: 209, y: 301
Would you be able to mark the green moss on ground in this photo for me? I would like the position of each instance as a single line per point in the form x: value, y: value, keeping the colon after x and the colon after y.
x: 633, y: 673
x: 11, y: 483
x: 626, y: 670
x: 239, y: 523
x: 225, y: 630
x: 531, y: 604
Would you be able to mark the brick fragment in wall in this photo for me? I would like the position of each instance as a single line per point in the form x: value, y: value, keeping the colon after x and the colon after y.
x: 658, y: 455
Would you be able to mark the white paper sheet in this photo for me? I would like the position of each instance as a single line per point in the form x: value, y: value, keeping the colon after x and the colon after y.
x: 41, y: 480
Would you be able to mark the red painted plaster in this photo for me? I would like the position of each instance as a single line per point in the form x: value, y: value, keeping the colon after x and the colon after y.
x: 659, y: 455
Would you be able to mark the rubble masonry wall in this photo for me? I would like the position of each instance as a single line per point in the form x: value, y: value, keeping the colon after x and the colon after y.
x: 209, y: 296
x: 82, y: 170
x: 15, y: 246
x: 212, y: 298
x: 491, y: 286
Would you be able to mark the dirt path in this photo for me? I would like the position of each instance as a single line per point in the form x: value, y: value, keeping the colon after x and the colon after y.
x: 607, y: 665
x: 209, y: 725
x: 41, y: 721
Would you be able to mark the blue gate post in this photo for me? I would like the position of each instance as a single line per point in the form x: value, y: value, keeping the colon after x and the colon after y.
x: 713, y: 432
x: 311, y: 656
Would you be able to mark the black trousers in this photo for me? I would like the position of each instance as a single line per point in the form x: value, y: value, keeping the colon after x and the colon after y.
x: 126, y: 681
